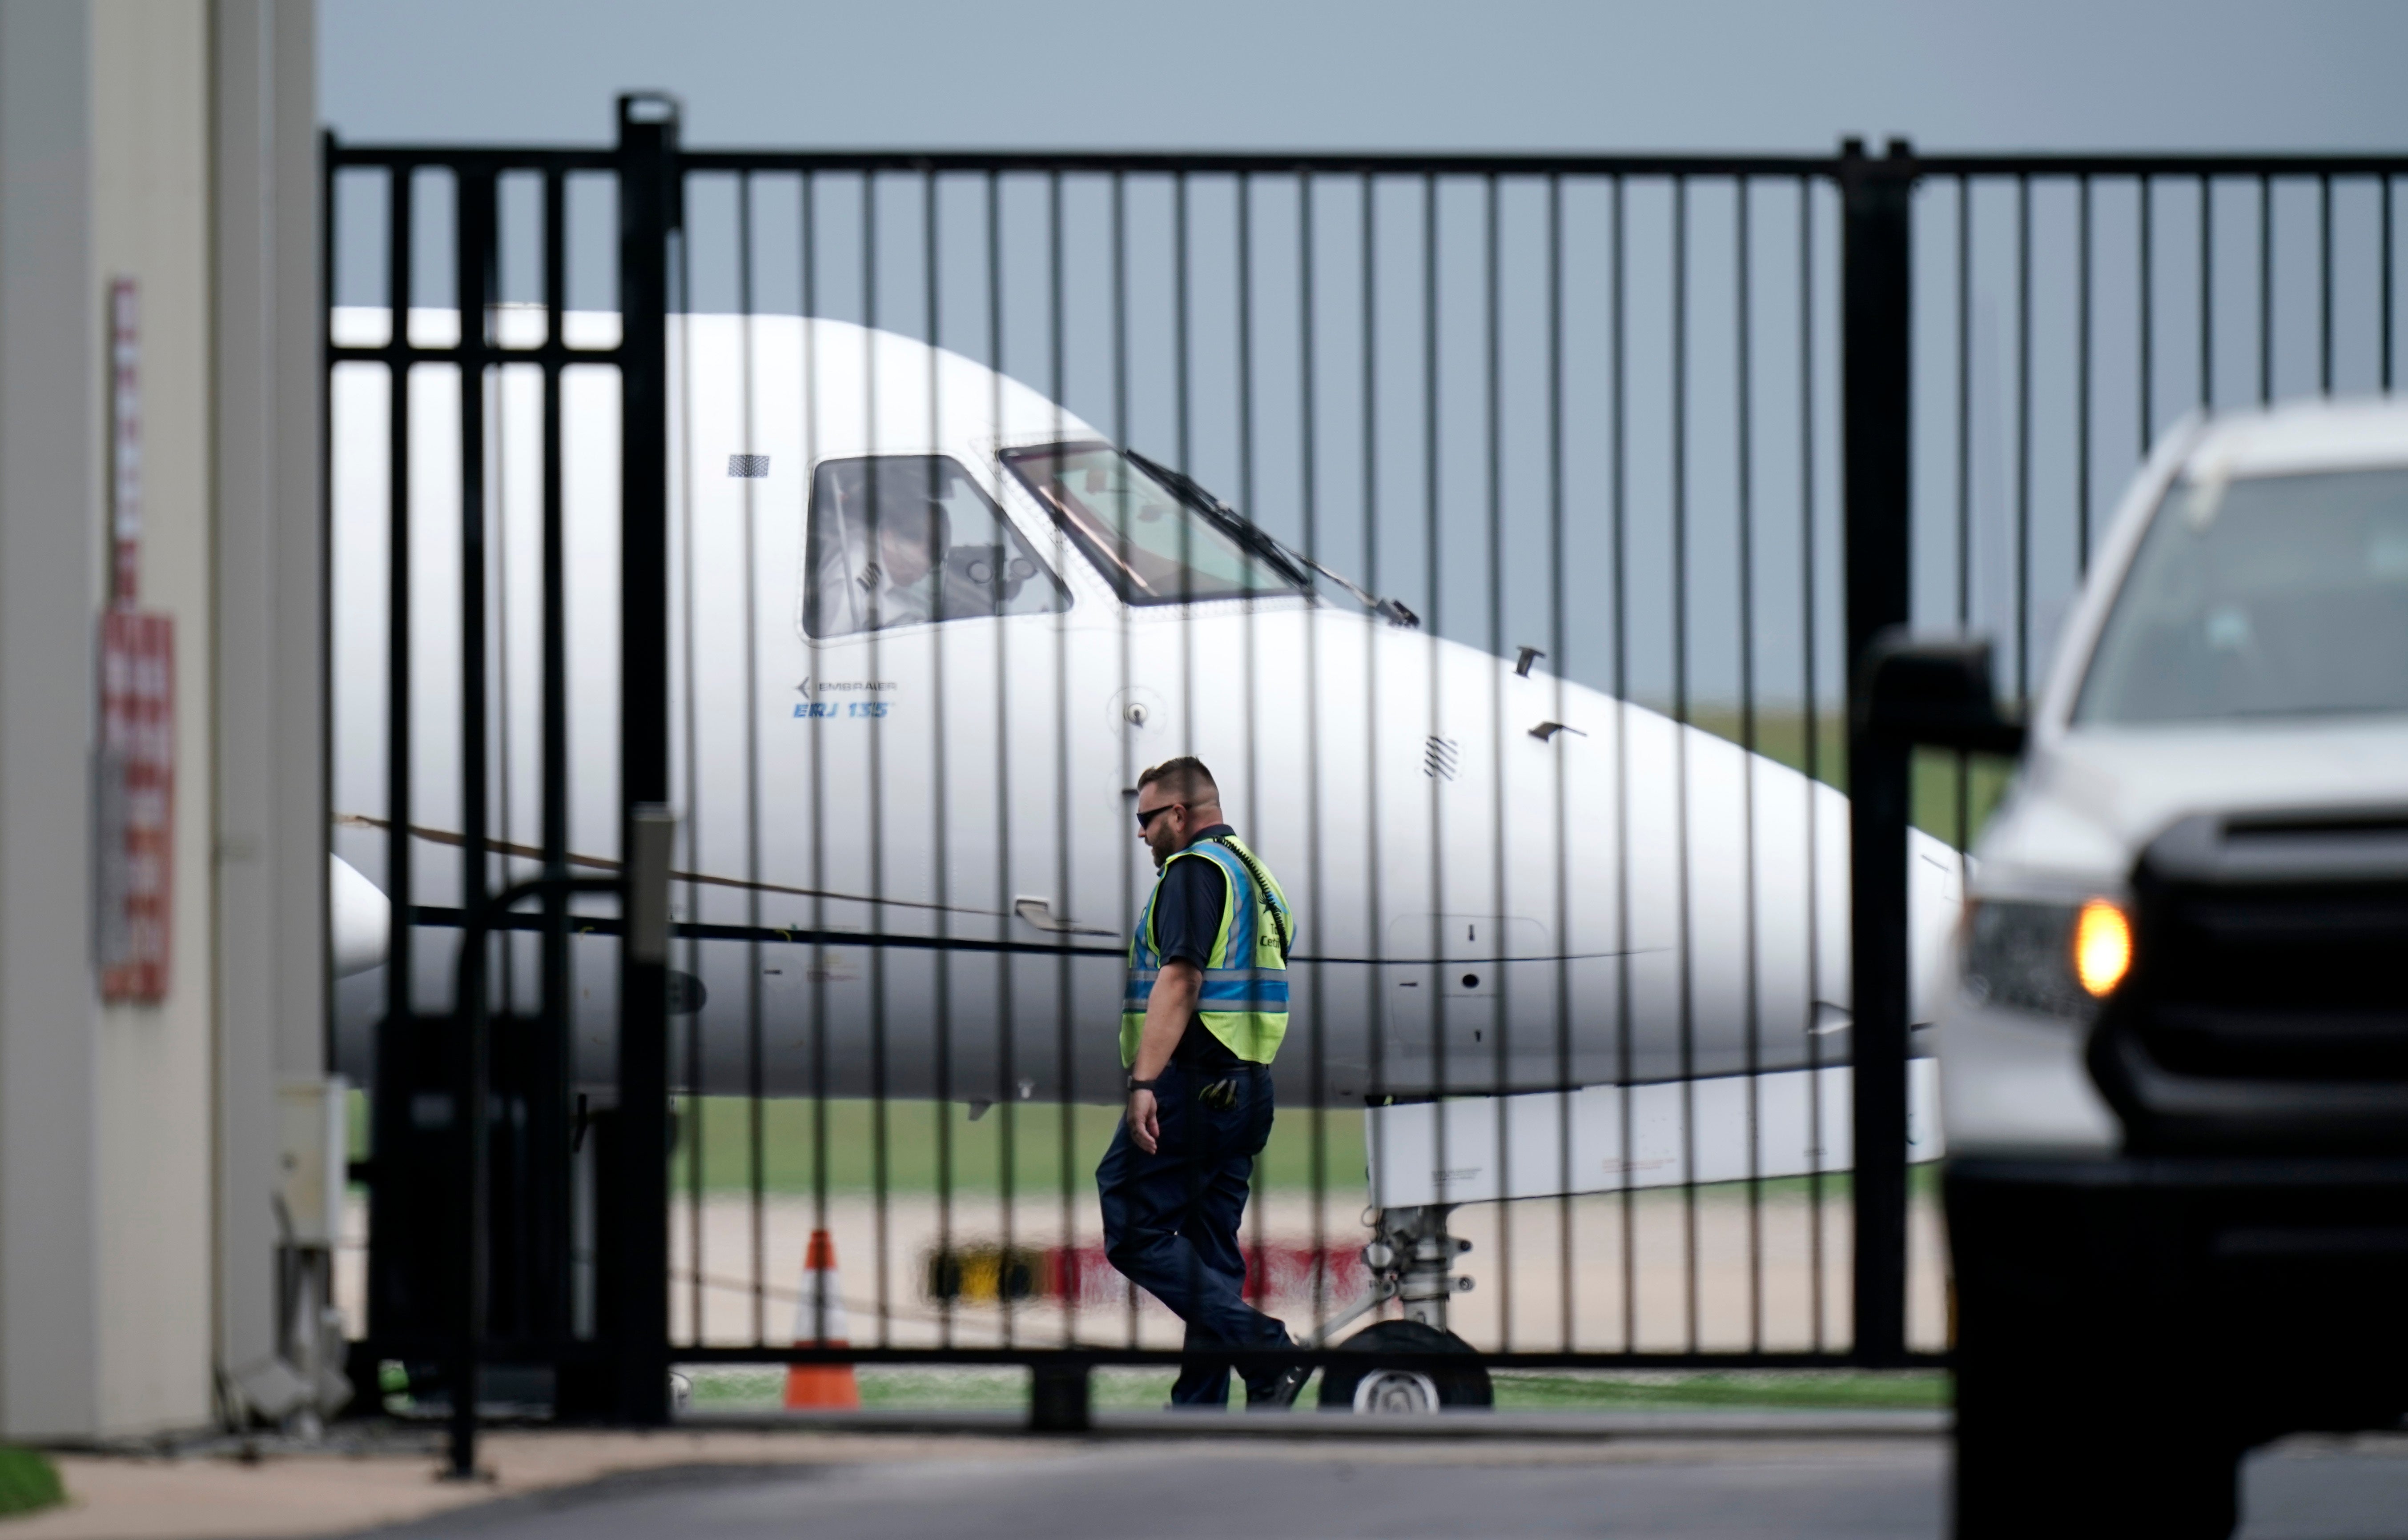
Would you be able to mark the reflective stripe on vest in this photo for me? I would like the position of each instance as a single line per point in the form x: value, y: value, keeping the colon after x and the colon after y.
x: 1243, y: 1000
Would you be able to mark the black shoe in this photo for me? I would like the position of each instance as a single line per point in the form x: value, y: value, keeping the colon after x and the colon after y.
x: 1283, y: 1391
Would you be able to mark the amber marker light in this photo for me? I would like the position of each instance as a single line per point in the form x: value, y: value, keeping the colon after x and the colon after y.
x: 2102, y: 946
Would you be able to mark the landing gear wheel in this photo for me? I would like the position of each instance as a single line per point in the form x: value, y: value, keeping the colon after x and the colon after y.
x: 1376, y: 1386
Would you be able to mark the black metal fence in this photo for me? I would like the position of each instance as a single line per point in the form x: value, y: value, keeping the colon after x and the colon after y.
x: 750, y: 631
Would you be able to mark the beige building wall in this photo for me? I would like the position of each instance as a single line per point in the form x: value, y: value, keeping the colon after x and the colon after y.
x: 151, y: 222
x: 173, y: 142
x: 48, y: 480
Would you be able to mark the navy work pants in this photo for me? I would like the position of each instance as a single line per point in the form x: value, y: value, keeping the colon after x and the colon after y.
x: 1170, y: 1222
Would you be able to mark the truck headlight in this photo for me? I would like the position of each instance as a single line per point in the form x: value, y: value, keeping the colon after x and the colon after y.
x: 2102, y: 947
x: 2055, y: 959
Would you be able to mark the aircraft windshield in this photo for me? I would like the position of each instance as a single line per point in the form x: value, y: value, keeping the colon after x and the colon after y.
x: 2268, y: 595
x: 1158, y: 542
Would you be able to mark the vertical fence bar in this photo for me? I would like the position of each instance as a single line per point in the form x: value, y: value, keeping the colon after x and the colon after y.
x: 1434, y: 694
x: 638, y: 1266
x: 2148, y: 311
x: 1685, y: 955
x: 2265, y: 289
x: 1557, y: 593
x: 1258, y: 1277
x: 939, y: 788
x: 1433, y: 498
x: 1621, y: 927
x: 2384, y: 281
x: 1492, y: 411
x: 756, y: 1169
x: 1007, y: 1074
x: 1876, y: 375
x: 474, y: 237
x: 1964, y: 554
x: 2206, y: 290
x: 806, y: 260
x: 692, y: 1116
x: 558, y: 1058
x: 2023, y: 453
x: 881, y: 1147
x: 1182, y: 388
x: 1376, y: 1069
x: 1809, y: 663
x: 389, y: 1293
x: 328, y: 1043
x: 2082, y: 383
x: 1129, y: 768
x: 1316, y: 992
x: 2324, y: 285
x: 1007, y: 1071
x: 1753, y: 1006
x: 1065, y: 1057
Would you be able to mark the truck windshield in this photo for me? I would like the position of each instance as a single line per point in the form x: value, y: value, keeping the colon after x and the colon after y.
x: 1155, y: 537
x: 2276, y: 595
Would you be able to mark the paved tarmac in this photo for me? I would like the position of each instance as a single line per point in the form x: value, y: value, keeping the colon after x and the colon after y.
x: 1846, y: 1489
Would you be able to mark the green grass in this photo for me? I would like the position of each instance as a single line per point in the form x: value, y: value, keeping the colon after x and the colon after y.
x: 1518, y: 1391
x: 28, y: 1481
x: 1781, y: 736
x: 1817, y: 1390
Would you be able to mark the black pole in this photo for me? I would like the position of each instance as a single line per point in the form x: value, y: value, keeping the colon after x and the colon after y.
x: 474, y: 1092
x: 637, y: 1171
x: 551, y: 1132
x: 1876, y: 313
x: 393, y: 1195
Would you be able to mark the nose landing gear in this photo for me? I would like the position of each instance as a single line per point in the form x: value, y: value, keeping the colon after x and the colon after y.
x: 1410, y: 1365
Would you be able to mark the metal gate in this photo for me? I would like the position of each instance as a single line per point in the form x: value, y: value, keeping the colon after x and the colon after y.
x: 750, y: 629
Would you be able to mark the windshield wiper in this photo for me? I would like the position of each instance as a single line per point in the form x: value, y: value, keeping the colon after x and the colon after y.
x: 1391, y: 610
x: 1295, y: 561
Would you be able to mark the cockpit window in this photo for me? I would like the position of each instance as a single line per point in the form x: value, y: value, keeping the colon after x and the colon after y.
x: 907, y: 540
x: 2261, y: 596
x: 1155, y: 535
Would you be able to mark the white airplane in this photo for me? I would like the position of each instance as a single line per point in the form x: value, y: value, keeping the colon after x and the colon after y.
x: 928, y: 626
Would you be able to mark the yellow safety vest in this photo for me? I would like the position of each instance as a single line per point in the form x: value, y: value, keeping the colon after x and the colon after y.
x: 1244, y: 999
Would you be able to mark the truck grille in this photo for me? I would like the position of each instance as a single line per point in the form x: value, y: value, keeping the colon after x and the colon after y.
x: 2269, y: 998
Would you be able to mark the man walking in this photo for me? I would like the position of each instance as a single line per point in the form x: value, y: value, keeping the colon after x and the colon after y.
x: 1203, y: 1015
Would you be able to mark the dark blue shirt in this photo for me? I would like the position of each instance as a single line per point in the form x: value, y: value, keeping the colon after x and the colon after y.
x: 1186, y: 922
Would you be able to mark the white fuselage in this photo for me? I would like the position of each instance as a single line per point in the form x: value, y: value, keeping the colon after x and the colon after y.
x: 1482, y: 909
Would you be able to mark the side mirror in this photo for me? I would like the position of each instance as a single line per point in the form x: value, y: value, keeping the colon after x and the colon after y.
x: 1937, y: 693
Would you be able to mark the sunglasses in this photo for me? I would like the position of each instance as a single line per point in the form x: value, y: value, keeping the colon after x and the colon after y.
x: 1148, y: 815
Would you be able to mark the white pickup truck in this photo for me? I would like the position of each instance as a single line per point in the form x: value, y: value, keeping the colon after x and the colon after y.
x: 2174, y: 1064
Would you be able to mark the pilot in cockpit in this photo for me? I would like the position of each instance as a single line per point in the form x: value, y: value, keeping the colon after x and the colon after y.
x: 905, y: 583
x: 904, y: 540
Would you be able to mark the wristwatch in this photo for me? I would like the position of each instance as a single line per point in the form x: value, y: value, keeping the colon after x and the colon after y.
x: 1136, y: 1084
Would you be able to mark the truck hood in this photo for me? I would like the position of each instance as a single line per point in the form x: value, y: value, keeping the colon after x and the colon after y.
x: 2088, y: 800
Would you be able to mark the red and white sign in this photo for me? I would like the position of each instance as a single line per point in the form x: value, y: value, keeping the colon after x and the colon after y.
x: 137, y: 764
x: 138, y: 802
x: 124, y: 441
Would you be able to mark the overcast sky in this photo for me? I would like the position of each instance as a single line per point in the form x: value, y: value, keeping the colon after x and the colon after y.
x: 1383, y: 74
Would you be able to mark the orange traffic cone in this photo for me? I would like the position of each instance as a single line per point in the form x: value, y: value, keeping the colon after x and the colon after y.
x: 819, y: 1322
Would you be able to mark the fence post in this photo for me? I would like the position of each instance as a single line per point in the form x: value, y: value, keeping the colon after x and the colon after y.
x: 1876, y: 387
x: 476, y: 241
x: 636, y: 1274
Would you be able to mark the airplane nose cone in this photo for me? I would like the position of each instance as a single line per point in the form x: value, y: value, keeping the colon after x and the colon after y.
x: 360, y: 918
